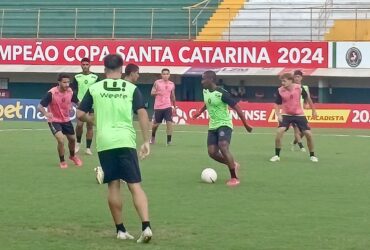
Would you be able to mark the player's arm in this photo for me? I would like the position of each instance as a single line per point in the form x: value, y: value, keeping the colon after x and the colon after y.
x: 153, y: 92
x: 75, y: 99
x: 138, y: 107
x: 43, y: 104
x: 74, y: 85
x: 242, y: 117
x: 308, y: 99
x: 84, y: 107
x: 278, y: 102
x: 233, y: 103
x: 173, y: 97
x: 199, y: 112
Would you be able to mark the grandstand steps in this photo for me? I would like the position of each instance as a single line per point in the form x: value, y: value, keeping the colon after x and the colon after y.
x: 220, y: 20
x: 349, y: 30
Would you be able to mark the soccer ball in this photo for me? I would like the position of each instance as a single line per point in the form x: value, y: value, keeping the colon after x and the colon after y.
x: 209, y: 175
x: 179, y: 117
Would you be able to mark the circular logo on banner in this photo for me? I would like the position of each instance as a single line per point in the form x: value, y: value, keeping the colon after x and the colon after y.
x: 353, y: 57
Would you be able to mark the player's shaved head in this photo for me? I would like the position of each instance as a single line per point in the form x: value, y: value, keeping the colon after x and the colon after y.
x: 209, y: 79
x: 210, y: 75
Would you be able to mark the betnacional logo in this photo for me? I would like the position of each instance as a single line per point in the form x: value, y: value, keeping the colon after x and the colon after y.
x: 353, y: 57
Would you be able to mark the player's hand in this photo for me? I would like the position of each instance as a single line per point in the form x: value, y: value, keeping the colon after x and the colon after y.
x: 49, y: 115
x: 248, y: 128
x: 196, y: 115
x: 314, y: 114
x: 144, y: 150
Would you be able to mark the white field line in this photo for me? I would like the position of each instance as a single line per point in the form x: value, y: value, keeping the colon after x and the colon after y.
x: 196, y: 132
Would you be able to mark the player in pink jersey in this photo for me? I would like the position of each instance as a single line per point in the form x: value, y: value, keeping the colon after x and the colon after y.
x: 59, y: 100
x: 288, y: 99
x: 165, y: 103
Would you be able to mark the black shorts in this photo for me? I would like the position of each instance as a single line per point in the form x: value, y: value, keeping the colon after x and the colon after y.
x: 295, y: 120
x: 65, y: 127
x: 223, y: 133
x: 120, y: 163
x: 160, y: 114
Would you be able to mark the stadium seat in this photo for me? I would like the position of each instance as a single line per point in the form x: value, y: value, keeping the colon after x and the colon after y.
x: 298, y: 20
x: 133, y: 19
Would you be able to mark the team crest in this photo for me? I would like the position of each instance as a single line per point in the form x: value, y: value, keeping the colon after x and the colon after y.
x: 353, y: 57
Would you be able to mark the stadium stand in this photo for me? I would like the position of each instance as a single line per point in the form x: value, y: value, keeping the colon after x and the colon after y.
x: 289, y: 20
x: 100, y: 19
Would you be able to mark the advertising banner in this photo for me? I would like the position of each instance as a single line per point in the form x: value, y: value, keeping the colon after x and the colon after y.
x: 352, y: 55
x: 257, y: 114
x: 23, y: 110
x: 263, y: 115
x: 168, y: 53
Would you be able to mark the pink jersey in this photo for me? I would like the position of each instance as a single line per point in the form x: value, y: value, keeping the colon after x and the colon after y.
x: 60, y: 105
x: 163, y: 91
x: 291, y: 100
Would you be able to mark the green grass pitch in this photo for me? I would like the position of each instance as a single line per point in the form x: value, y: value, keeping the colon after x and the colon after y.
x: 293, y: 204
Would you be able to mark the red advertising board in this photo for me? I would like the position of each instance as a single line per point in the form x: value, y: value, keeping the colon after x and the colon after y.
x: 169, y: 53
x: 263, y: 115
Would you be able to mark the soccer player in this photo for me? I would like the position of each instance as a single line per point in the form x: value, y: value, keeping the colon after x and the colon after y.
x: 81, y: 82
x: 59, y: 100
x: 165, y: 103
x: 216, y: 102
x: 298, y: 135
x: 288, y: 98
x: 115, y: 101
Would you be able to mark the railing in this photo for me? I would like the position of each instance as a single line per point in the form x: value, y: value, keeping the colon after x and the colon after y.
x: 253, y: 23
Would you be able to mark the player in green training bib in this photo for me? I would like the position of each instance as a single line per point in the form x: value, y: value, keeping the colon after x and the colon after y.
x: 217, y: 101
x: 81, y: 83
x: 298, y: 135
x: 115, y: 102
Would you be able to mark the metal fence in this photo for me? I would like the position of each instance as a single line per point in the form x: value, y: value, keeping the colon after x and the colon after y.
x: 254, y: 23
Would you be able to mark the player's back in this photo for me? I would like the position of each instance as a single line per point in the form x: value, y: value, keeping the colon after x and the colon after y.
x: 113, y: 105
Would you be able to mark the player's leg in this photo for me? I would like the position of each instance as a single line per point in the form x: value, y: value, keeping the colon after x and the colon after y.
x: 283, y: 125
x: 111, y: 168
x: 303, y: 125
x: 298, y: 139
x: 79, y: 132
x: 56, y: 130
x: 60, y: 147
x: 89, y: 136
x: 158, y: 117
x: 213, y: 149
x: 130, y: 172
x: 224, y: 139
x: 169, y: 125
x: 68, y: 131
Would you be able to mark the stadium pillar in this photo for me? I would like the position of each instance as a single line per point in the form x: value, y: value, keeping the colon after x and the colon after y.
x: 324, y: 91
